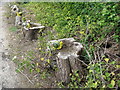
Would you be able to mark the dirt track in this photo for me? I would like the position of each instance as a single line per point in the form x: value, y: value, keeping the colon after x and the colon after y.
x: 8, y: 76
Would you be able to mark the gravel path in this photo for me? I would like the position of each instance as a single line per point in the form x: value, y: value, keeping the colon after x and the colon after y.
x: 8, y: 77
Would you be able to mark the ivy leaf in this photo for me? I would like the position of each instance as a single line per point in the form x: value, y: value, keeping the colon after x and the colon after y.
x: 17, y: 70
x: 103, y: 86
x: 107, y: 74
x: 117, y: 66
x: 113, y: 83
x: 48, y: 60
x: 31, y: 70
x: 109, y: 85
x: 104, y: 76
x: 38, y: 70
x: 113, y: 62
x: 37, y: 64
x: 42, y: 59
x: 90, y: 71
x: 113, y: 73
x: 107, y: 59
x: 95, y: 85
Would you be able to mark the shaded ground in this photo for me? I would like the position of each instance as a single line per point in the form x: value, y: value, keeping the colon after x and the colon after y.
x: 8, y: 76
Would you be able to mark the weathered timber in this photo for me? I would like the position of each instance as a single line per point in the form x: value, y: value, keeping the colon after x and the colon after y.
x: 18, y: 20
x: 63, y: 72
x: 67, y: 58
x: 14, y: 9
x: 31, y: 32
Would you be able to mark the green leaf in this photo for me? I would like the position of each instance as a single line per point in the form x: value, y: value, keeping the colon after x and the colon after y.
x: 90, y: 71
x: 88, y: 67
x: 109, y: 85
x: 104, y: 76
x: 95, y: 85
x: 112, y: 83
x: 118, y: 82
x: 107, y: 59
x: 77, y: 75
x: 113, y: 62
x: 38, y: 70
x: 108, y: 78
x: 107, y: 74
x: 17, y: 70
x: 31, y: 70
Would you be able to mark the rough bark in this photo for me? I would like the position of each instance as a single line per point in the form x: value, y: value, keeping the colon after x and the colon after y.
x: 18, y: 20
x: 63, y: 71
x: 76, y: 65
x: 68, y: 59
x: 31, y: 33
x: 14, y: 9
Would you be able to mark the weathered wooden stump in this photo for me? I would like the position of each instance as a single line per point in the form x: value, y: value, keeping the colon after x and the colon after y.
x: 68, y: 58
x: 31, y: 31
x: 18, y: 18
x: 14, y: 9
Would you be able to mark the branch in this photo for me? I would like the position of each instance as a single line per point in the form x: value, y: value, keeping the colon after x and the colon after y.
x: 26, y: 76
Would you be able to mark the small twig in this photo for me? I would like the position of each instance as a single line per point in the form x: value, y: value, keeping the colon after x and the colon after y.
x: 116, y: 70
x: 103, y: 81
x: 88, y: 53
x: 26, y: 76
x: 106, y: 45
x: 105, y: 40
x: 87, y: 29
x: 95, y: 56
x: 82, y: 62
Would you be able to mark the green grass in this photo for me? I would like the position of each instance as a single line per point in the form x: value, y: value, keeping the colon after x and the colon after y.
x: 13, y: 29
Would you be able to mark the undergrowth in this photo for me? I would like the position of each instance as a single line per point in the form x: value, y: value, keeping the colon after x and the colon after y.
x: 90, y: 24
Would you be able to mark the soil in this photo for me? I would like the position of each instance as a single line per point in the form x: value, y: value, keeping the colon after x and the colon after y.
x: 9, y: 78
x: 20, y: 47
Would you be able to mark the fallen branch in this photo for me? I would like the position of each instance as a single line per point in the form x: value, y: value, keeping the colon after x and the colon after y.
x: 82, y: 62
x: 25, y: 76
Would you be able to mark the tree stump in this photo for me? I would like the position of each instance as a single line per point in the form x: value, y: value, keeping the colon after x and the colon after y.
x: 31, y: 33
x: 14, y: 9
x: 18, y: 20
x: 68, y: 59
x: 64, y: 70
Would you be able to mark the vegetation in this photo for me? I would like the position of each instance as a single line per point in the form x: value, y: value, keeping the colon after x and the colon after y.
x: 92, y: 24
x: 13, y: 29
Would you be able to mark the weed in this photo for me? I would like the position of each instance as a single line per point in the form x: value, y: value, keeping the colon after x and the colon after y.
x: 13, y: 29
